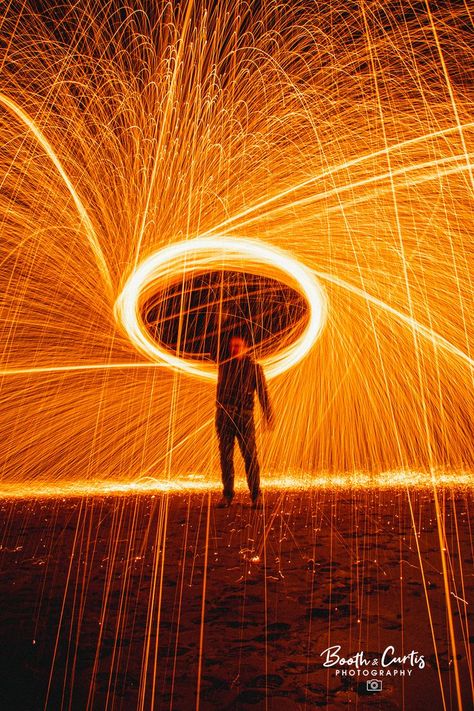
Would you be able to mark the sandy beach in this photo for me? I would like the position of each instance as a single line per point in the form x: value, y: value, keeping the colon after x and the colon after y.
x: 110, y: 602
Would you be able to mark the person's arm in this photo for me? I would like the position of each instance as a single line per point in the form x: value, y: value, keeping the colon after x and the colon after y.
x: 262, y: 391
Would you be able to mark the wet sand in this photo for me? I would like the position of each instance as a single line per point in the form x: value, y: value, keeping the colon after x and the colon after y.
x: 110, y: 602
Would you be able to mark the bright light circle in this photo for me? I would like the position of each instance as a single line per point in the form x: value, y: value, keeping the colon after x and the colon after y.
x: 205, y: 254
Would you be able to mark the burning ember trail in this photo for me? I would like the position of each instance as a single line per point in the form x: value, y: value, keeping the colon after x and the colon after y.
x: 199, y: 255
x: 302, y: 170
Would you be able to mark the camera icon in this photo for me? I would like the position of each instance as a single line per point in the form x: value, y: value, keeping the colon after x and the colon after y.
x: 374, y: 685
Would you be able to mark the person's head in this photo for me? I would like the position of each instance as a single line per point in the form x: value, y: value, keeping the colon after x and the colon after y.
x: 237, y: 346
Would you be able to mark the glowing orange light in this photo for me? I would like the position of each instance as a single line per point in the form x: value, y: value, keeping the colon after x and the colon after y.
x: 193, y: 484
x: 210, y: 253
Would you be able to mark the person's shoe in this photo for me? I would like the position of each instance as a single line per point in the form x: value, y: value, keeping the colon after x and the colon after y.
x: 224, y: 503
x: 257, y: 502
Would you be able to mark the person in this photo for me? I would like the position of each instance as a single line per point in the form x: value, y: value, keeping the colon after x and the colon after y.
x: 239, y: 377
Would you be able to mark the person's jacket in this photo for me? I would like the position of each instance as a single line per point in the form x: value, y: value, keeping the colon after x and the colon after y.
x: 237, y: 381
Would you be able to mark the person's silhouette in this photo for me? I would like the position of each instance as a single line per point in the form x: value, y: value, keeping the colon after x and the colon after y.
x: 239, y: 376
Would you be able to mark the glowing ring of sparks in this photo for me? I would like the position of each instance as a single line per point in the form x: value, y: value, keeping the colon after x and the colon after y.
x: 209, y: 254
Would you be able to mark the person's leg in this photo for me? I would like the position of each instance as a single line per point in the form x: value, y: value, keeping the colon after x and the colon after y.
x: 248, y: 446
x: 226, y: 435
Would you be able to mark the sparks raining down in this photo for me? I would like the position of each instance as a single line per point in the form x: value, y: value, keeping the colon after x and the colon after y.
x: 303, y: 169
x: 344, y: 139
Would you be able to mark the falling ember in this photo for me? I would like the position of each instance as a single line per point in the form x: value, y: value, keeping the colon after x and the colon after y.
x: 171, y: 171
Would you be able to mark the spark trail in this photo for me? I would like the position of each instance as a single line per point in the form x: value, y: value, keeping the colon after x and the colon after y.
x: 338, y: 135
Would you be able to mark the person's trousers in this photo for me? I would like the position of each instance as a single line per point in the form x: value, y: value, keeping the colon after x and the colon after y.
x: 231, y: 425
